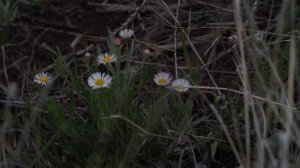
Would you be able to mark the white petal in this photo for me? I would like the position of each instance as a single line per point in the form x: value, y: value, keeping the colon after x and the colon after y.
x: 91, y: 82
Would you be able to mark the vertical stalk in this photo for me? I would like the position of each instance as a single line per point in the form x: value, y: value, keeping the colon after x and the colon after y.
x: 292, y: 66
x: 245, y: 78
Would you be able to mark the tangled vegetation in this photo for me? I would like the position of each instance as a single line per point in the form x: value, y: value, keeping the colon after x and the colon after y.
x: 150, y: 83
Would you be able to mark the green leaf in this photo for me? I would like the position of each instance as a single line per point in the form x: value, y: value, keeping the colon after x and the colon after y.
x: 213, y: 149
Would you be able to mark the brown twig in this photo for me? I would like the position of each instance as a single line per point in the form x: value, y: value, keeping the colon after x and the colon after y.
x: 130, y: 18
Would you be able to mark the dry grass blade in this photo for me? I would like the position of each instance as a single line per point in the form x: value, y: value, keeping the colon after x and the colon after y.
x: 137, y: 126
x: 175, y: 40
x: 245, y: 78
x: 291, y: 77
x: 243, y: 93
x: 235, y: 151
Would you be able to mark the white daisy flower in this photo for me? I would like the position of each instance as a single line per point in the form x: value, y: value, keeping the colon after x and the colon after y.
x: 106, y: 58
x: 181, y: 85
x: 126, y: 33
x: 162, y: 78
x: 43, y: 78
x: 99, y: 80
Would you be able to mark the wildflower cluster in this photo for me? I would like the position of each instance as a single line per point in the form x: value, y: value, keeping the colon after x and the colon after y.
x: 102, y: 80
x: 164, y: 79
x: 96, y: 80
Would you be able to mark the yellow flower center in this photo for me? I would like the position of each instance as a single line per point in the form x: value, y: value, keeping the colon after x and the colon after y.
x: 99, y: 82
x: 44, y: 79
x: 162, y: 81
x: 107, y: 59
x: 180, y: 88
x: 126, y: 34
